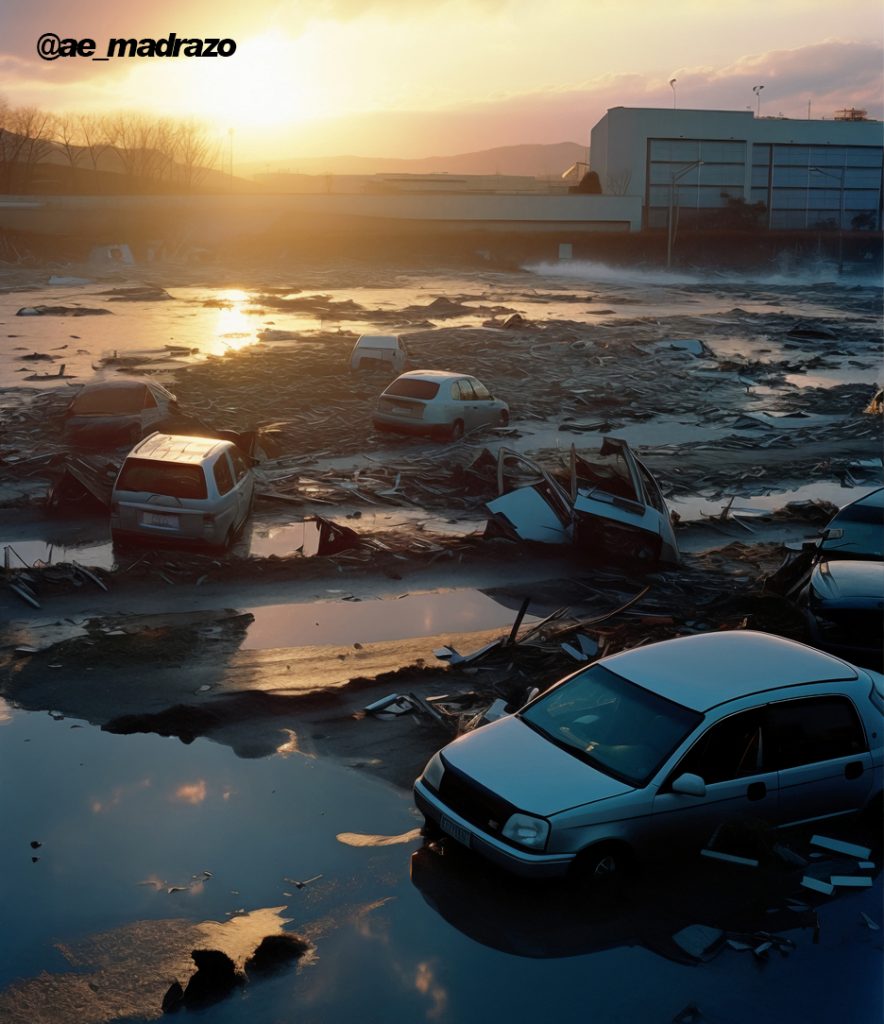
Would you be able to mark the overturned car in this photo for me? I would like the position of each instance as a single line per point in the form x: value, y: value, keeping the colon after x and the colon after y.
x: 613, y: 506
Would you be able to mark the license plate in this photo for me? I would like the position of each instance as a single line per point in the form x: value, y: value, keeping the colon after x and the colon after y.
x: 455, y: 831
x: 160, y: 519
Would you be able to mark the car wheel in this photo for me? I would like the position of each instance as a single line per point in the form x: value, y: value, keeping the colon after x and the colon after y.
x: 456, y: 431
x: 602, y: 868
x: 504, y: 418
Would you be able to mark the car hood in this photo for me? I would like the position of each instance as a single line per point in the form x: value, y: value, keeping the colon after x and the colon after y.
x: 519, y: 765
x: 847, y: 584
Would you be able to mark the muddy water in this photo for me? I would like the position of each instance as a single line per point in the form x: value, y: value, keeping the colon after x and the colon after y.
x: 150, y: 848
x: 212, y: 321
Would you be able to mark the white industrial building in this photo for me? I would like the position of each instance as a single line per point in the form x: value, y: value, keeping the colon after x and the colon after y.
x: 705, y: 164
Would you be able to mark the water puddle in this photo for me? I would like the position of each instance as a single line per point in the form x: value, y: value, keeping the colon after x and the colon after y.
x: 344, y: 620
x: 30, y: 553
x: 747, y: 505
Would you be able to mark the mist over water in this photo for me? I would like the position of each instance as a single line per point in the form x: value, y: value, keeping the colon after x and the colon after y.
x: 783, y: 272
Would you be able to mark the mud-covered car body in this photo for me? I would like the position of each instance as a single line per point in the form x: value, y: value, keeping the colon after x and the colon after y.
x: 658, y: 746
x: 117, y: 412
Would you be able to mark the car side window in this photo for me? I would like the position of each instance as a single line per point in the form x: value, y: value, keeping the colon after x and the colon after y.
x: 240, y: 468
x: 731, y: 749
x: 222, y: 474
x: 149, y: 401
x: 466, y: 391
x: 480, y: 390
x: 815, y: 729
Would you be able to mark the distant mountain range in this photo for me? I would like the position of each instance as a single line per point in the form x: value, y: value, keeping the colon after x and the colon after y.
x: 540, y: 161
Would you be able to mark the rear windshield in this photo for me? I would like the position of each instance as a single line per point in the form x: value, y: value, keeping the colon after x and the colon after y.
x: 109, y: 402
x: 169, y: 479
x: 411, y: 387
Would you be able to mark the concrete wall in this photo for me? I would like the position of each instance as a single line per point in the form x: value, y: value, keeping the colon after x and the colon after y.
x: 206, y: 220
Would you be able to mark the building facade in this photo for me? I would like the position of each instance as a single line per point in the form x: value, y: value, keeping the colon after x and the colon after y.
x: 724, y: 168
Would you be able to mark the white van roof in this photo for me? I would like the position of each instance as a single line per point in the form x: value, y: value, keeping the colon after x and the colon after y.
x: 378, y: 341
x: 177, y: 448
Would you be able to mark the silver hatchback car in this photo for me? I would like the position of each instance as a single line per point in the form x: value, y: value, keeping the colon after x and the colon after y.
x: 658, y: 746
x: 439, y: 403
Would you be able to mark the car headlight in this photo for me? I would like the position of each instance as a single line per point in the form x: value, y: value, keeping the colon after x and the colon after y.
x: 527, y: 830
x: 434, y: 771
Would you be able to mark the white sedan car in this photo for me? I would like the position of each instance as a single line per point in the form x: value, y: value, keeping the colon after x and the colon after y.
x: 438, y: 403
x: 658, y: 746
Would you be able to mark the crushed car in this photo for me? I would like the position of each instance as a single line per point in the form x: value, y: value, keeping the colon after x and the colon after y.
x: 654, y: 749
x: 117, y: 412
x: 613, y: 506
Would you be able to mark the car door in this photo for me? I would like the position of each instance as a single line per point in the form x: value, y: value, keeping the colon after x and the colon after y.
x: 822, y: 755
x: 245, y: 484
x: 732, y: 759
x: 487, y: 413
x: 470, y: 414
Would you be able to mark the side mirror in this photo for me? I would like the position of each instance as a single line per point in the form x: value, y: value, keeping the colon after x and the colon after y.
x: 689, y: 785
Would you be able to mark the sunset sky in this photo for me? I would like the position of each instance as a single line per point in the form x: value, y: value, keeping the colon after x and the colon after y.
x: 399, y: 78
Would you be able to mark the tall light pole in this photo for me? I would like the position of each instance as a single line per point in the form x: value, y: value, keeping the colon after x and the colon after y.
x: 757, y: 90
x: 674, y: 178
x: 838, y: 174
x: 672, y: 82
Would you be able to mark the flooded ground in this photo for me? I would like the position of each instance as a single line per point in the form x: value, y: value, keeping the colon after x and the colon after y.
x: 286, y: 807
x: 148, y: 846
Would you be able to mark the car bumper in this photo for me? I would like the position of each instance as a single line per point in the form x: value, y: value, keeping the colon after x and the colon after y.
x: 406, y: 426
x: 518, y: 862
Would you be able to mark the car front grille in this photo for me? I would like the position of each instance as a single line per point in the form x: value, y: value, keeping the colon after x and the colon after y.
x: 474, y: 803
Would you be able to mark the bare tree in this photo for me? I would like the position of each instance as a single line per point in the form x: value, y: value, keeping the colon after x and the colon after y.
x: 194, y: 153
x: 69, y: 137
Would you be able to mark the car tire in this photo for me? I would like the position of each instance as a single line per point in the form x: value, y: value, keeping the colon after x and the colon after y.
x: 602, y: 868
x: 431, y: 831
x: 456, y: 431
x: 503, y: 419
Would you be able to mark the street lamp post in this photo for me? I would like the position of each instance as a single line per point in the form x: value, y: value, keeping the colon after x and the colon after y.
x: 838, y: 175
x: 757, y: 90
x: 672, y: 82
x: 674, y: 178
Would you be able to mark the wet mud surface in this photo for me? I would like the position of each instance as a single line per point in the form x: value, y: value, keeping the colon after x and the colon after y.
x: 207, y: 749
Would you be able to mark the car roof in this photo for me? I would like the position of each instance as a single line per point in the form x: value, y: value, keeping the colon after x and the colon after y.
x: 380, y: 340
x: 177, y: 448
x: 708, y: 669
x: 436, y: 375
x: 119, y: 384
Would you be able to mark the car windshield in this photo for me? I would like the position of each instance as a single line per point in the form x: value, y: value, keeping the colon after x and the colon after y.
x: 412, y: 387
x: 612, y: 724
x: 108, y: 402
x: 171, y: 479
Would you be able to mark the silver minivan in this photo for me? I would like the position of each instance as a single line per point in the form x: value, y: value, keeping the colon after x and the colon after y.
x: 173, y: 487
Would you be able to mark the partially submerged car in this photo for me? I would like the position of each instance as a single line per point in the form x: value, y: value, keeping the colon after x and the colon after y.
x: 613, y: 507
x: 857, y: 531
x: 843, y: 603
x: 379, y: 351
x: 658, y: 746
x: 117, y: 412
x: 438, y: 403
x: 173, y: 487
